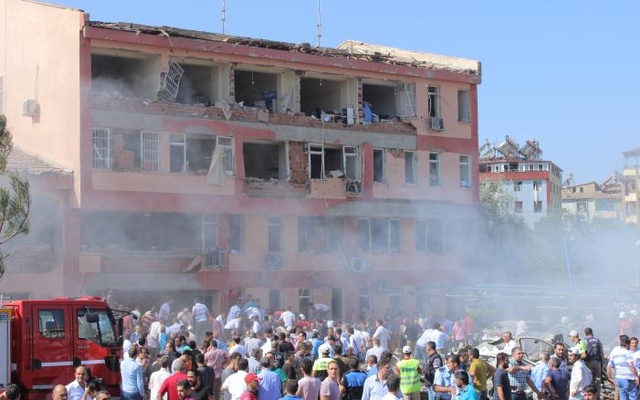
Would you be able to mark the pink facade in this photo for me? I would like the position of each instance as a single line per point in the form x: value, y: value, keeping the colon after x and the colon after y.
x: 230, y: 182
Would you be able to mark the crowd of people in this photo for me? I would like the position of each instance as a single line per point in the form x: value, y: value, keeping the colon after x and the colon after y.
x: 249, y: 355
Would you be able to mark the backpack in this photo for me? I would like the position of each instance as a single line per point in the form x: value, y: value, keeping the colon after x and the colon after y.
x: 593, y: 349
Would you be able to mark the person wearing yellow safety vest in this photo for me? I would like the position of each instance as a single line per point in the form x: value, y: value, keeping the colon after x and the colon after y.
x: 408, y: 369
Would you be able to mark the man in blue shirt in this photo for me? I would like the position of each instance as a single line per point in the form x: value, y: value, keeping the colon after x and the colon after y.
x: 132, y: 380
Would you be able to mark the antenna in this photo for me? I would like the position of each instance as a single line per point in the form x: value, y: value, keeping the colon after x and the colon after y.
x: 319, y: 25
x: 223, y: 13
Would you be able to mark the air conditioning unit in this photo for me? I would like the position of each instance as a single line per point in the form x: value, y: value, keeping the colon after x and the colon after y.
x: 353, y: 187
x: 274, y: 260
x: 214, y: 260
x: 435, y: 123
x: 359, y: 265
x: 30, y: 108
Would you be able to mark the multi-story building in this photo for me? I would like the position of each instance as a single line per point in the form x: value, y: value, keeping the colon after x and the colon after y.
x: 593, y: 201
x: 630, y: 181
x: 531, y: 185
x: 192, y: 162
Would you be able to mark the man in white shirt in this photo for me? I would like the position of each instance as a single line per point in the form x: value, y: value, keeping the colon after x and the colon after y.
x: 75, y: 389
x: 383, y: 334
x: 235, y: 382
x: 288, y: 318
x: 580, y: 374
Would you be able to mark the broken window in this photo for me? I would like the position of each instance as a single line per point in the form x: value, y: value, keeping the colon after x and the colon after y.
x: 321, y: 96
x: 141, y: 231
x: 265, y: 160
x: 177, y: 154
x: 537, y: 206
x: 333, y: 161
x: 409, y: 167
x: 465, y: 171
x: 197, y: 84
x: 379, y: 165
x: 319, y: 234
x: 194, y: 154
x: 389, y: 100
x: 379, y: 235
x: 464, y: 114
x: 236, y: 224
x: 171, y: 81
x: 435, y: 178
x: 256, y: 89
x: 434, y: 101
x: 275, y: 234
x: 125, y: 76
x: 101, y: 148
x: 517, y: 186
x: 209, y: 232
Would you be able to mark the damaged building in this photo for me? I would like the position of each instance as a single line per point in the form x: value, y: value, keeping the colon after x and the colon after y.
x: 195, y: 162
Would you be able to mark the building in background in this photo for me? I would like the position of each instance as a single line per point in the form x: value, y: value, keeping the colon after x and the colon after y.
x: 531, y: 184
x: 630, y: 181
x: 193, y: 162
x: 593, y: 201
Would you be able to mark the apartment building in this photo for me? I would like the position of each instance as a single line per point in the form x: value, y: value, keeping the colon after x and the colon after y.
x: 593, y: 201
x: 531, y: 184
x: 630, y: 181
x: 194, y: 162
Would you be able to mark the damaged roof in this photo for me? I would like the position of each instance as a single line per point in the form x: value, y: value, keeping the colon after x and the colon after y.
x: 21, y: 161
x: 351, y: 49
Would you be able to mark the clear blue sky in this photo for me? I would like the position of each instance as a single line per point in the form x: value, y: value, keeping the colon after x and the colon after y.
x: 564, y: 72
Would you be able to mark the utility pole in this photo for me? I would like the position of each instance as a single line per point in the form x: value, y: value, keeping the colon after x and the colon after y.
x: 319, y: 25
x: 223, y: 14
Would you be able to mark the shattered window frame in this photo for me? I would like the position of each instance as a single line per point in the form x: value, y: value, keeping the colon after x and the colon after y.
x: 228, y: 156
x: 433, y: 94
x: 410, y: 170
x: 465, y: 171
x: 351, y: 163
x: 236, y: 233
x: 464, y: 110
x: 210, y: 234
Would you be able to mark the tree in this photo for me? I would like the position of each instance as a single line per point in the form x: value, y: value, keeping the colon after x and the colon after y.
x: 14, y: 199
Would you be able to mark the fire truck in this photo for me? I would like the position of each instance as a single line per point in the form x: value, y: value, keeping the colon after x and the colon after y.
x: 42, y: 341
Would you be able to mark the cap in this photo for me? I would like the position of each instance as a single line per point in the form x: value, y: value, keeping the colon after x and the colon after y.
x: 406, y: 350
x: 573, y: 333
x: 324, y: 349
x: 252, y: 377
x: 622, y: 315
x: 574, y: 350
x: 302, y: 316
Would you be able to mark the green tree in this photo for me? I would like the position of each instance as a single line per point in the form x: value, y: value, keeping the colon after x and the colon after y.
x: 14, y: 199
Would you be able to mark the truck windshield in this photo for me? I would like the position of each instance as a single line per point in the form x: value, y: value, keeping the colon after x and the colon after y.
x: 100, y: 332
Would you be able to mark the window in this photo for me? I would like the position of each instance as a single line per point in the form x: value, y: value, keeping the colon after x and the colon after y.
x: 464, y: 114
x: 518, y: 207
x: 275, y: 234
x: 435, y: 236
x: 434, y: 101
x: 150, y: 151
x: 200, y: 154
x: 465, y: 172
x: 319, y: 234
x: 101, y: 144
x: 379, y: 235
x: 323, y: 159
x: 51, y: 323
x: 517, y: 186
x: 364, y: 302
x: 177, y: 154
x: 236, y: 223
x: 537, y: 186
x: 434, y: 169
x: 100, y: 332
x: 603, y: 205
x: 582, y: 208
x: 421, y: 236
x: 275, y: 299
x: 209, y: 232
x: 581, y: 189
x: 225, y: 143
x: 304, y: 298
x: 379, y: 165
x: 409, y: 167
x: 537, y: 206
x: 351, y: 170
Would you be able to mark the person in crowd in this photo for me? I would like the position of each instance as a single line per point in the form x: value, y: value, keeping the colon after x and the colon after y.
x: 329, y: 388
x: 352, y: 382
x: 557, y: 381
x: 626, y: 375
x: 308, y: 385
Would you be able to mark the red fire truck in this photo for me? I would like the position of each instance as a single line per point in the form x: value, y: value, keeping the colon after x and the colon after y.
x: 42, y: 341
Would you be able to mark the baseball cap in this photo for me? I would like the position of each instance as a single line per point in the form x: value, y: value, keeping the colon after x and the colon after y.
x: 406, y: 350
x: 252, y: 377
x: 573, y: 333
x: 324, y: 349
x: 574, y: 350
